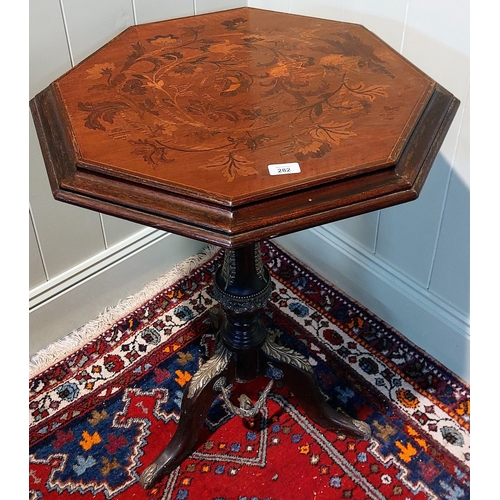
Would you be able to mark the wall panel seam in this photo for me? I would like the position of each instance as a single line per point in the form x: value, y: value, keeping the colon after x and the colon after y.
x: 397, y: 280
x: 37, y: 240
x: 445, y: 200
x: 66, y: 32
x: 375, y: 239
x: 438, y: 232
x: 134, y: 12
x: 55, y: 287
x: 103, y: 231
x: 405, y: 23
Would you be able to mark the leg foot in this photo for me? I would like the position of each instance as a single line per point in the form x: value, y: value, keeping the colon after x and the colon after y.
x: 199, y: 395
x: 300, y: 379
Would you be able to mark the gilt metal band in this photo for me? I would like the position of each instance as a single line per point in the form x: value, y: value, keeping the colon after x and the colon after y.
x: 243, y: 303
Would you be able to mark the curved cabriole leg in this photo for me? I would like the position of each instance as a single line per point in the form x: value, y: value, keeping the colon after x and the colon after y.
x: 242, y: 287
x: 199, y: 395
x: 299, y: 377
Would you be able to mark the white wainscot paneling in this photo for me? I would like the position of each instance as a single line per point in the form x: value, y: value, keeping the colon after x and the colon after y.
x: 325, y: 9
x: 437, y: 41
x: 76, y: 297
x: 66, y: 234
x: 362, y: 229
x: 157, y: 10
x: 446, y: 21
x: 37, y: 273
x: 386, y: 19
x: 116, y: 229
x: 407, y: 233
x: 92, y: 23
x: 48, y: 51
x: 461, y: 162
x: 205, y: 6
x: 450, y: 278
x: 276, y: 5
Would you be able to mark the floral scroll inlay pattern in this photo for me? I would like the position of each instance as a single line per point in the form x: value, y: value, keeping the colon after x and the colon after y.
x: 183, y: 93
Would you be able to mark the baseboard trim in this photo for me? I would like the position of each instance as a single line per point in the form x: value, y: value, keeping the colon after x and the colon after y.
x: 424, y: 318
x: 64, y: 282
x: 81, y: 294
x: 405, y: 285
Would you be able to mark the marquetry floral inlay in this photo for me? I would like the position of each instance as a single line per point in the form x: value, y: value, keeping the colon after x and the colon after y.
x: 228, y: 93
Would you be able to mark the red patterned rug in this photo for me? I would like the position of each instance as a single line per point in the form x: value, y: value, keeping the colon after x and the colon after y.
x: 103, y: 411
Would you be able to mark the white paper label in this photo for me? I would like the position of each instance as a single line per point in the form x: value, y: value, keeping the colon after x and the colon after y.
x: 284, y: 168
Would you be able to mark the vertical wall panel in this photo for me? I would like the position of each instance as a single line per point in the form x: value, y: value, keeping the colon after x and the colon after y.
x: 408, y: 233
x: 116, y: 230
x: 204, y: 6
x: 437, y: 41
x: 93, y: 23
x: 385, y: 19
x: 36, y: 271
x: 451, y: 270
x: 155, y: 10
x: 361, y: 229
x: 276, y: 5
x: 331, y: 9
x: 461, y: 162
x: 67, y: 235
x: 446, y: 21
x: 48, y: 50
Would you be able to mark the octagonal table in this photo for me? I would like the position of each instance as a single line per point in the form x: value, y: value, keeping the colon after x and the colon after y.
x: 231, y: 128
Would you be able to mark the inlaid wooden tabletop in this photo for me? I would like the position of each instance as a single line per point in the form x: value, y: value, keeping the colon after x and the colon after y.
x: 241, y: 125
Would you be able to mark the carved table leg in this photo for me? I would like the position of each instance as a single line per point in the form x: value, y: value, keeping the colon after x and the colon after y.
x: 299, y: 377
x: 200, y: 393
x: 242, y: 287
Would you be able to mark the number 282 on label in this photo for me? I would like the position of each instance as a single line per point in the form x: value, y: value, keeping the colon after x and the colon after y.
x: 284, y: 168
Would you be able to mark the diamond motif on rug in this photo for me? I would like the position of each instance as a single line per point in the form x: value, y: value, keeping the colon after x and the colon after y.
x: 100, y: 415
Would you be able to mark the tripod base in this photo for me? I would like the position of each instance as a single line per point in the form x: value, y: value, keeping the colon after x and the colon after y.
x: 219, y: 372
x: 245, y: 351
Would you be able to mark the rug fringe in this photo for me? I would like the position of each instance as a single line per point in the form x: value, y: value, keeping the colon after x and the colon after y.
x: 58, y: 350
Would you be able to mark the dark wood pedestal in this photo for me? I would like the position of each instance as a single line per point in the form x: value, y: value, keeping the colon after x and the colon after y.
x: 245, y: 351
